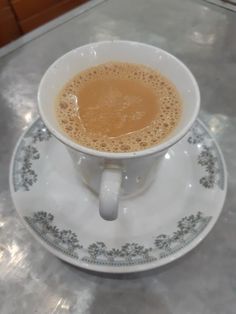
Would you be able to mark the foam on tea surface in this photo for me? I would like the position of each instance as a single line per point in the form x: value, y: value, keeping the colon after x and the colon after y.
x: 118, y: 107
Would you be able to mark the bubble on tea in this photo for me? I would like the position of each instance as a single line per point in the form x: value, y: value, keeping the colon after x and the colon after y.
x: 118, y: 107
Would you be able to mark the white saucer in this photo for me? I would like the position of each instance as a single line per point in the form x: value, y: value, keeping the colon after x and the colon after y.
x: 164, y: 223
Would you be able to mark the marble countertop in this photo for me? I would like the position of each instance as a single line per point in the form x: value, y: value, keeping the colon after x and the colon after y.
x: 204, y: 281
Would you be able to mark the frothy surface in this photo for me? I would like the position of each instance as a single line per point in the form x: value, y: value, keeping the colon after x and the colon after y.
x: 118, y: 107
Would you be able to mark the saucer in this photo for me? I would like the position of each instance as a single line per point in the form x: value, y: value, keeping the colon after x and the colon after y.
x: 165, y: 222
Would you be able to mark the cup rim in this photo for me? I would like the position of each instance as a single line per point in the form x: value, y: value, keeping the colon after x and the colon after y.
x: 118, y: 155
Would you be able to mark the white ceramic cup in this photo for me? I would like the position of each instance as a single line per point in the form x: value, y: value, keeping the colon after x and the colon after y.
x: 115, y: 175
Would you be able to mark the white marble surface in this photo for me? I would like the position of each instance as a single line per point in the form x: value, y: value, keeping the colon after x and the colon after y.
x: 204, y: 281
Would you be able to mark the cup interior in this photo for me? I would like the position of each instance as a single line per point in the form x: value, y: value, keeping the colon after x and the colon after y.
x: 79, y: 59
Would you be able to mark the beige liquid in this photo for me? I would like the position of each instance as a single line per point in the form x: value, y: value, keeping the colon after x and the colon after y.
x: 118, y: 107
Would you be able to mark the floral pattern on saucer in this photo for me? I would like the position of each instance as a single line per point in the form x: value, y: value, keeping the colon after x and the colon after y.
x: 163, y: 244
x: 27, y: 152
x: 64, y: 240
x: 187, y: 229
x: 129, y: 253
x: 209, y: 157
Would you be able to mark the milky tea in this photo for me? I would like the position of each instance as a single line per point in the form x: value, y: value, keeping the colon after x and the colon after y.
x: 118, y: 107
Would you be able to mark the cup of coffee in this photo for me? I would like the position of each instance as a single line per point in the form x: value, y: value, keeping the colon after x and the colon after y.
x: 118, y: 106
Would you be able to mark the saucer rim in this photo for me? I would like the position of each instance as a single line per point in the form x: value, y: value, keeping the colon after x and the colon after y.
x: 130, y: 268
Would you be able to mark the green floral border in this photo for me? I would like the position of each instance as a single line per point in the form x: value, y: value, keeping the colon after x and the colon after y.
x: 24, y: 176
x: 128, y: 254
x: 209, y: 157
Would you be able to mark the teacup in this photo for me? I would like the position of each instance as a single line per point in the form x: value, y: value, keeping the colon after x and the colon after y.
x: 115, y: 175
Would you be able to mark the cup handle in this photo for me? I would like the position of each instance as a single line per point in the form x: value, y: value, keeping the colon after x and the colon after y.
x: 109, y: 193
